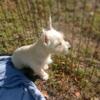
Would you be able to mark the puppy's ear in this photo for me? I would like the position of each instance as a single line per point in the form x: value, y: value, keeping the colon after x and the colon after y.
x: 50, y: 22
x: 43, y: 30
x: 45, y: 38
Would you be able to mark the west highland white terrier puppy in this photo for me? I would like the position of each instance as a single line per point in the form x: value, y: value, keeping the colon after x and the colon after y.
x: 37, y: 56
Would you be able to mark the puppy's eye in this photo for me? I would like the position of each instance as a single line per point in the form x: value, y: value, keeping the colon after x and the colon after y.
x: 59, y: 44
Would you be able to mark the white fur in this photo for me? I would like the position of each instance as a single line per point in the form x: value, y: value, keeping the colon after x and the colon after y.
x: 37, y: 56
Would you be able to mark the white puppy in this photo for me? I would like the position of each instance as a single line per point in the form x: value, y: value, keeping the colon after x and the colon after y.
x: 37, y: 56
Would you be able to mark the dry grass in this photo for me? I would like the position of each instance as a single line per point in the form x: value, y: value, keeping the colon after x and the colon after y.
x: 76, y: 76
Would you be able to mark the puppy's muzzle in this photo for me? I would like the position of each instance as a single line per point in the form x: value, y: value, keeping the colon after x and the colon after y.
x: 68, y: 45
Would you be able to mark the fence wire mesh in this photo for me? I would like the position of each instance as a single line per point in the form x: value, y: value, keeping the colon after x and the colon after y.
x: 21, y: 21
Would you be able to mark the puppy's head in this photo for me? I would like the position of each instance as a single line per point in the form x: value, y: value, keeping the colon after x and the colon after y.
x: 54, y: 41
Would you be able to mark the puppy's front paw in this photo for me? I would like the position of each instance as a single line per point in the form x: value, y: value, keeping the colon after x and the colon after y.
x: 46, y: 67
x: 45, y: 77
x: 50, y: 60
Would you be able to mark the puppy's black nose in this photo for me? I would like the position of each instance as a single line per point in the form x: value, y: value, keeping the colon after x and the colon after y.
x: 69, y: 47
